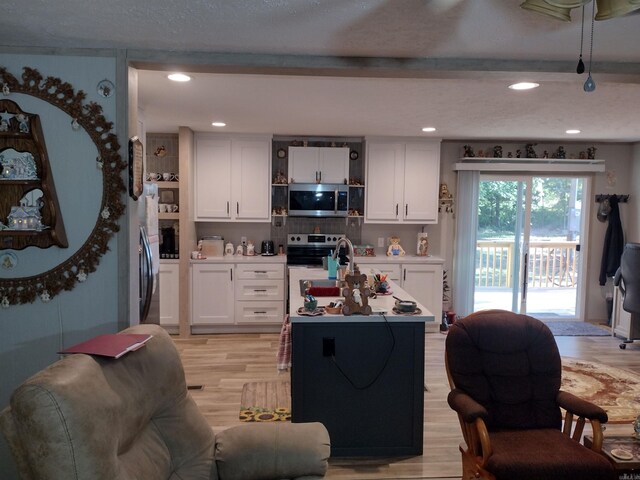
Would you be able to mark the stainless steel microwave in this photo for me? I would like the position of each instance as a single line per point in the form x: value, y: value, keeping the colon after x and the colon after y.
x: 318, y: 200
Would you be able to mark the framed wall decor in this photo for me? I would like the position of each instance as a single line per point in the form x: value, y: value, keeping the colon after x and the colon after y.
x: 136, y: 152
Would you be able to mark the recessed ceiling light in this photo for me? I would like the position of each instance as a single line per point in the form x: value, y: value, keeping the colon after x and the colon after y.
x: 179, y: 77
x: 573, y: 131
x: 219, y: 124
x: 524, y: 86
x: 429, y: 129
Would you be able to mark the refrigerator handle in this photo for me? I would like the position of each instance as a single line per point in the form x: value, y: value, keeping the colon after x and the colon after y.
x: 146, y: 275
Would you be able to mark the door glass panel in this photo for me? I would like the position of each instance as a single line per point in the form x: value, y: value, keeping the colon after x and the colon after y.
x: 499, y: 243
x: 542, y: 228
x: 553, y: 246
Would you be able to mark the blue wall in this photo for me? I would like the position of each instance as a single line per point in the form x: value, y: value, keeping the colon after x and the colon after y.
x: 30, y: 335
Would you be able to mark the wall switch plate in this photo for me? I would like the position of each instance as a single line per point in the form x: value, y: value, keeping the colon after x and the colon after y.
x: 381, y: 241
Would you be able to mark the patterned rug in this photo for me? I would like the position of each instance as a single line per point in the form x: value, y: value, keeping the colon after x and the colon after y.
x: 265, y: 402
x: 614, y: 389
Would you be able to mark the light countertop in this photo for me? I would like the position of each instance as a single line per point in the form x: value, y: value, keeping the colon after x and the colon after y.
x: 243, y: 259
x: 383, y: 303
x: 395, y: 259
x: 380, y: 259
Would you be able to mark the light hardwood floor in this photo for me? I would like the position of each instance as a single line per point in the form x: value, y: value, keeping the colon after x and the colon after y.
x: 222, y: 364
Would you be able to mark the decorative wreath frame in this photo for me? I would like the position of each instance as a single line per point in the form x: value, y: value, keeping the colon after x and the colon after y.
x: 85, y: 260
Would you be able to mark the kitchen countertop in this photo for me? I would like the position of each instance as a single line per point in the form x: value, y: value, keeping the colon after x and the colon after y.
x: 382, y: 302
x: 398, y: 259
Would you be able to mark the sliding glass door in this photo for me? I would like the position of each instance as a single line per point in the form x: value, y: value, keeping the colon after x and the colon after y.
x: 528, y: 243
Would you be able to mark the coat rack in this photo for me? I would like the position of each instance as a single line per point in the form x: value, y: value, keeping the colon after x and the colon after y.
x: 621, y: 198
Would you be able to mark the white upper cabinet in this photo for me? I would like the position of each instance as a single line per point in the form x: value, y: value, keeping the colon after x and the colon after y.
x: 232, y: 178
x: 402, y: 181
x: 318, y: 164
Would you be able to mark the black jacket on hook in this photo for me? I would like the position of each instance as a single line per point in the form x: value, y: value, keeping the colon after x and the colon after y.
x: 613, y: 243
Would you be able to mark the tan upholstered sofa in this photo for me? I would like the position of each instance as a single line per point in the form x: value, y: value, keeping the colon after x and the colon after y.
x: 93, y: 418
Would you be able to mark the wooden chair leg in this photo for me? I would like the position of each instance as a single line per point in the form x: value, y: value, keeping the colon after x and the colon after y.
x: 470, y: 468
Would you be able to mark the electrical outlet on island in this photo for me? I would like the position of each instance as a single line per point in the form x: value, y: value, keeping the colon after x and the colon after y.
x: 243, y: 241
x: 381, y: 241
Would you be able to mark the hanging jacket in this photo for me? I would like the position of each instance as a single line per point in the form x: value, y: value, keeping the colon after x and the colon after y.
x: 613, y: 243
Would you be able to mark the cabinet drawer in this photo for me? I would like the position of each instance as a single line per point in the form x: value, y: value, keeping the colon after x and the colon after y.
x: 391, y: 270
x: 259, y: 290
x: 260, y: 312
x: 259, y: 271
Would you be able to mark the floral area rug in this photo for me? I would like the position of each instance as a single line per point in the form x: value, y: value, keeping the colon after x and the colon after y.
x: 265, y: 402
x: 615, y: 390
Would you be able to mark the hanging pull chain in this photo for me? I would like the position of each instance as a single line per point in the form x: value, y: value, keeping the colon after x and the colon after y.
x: 590, y: 85
x: 580, y: 67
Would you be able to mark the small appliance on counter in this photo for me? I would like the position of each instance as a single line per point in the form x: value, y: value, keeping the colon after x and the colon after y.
x: 211, y: 246
x: 267, y: 248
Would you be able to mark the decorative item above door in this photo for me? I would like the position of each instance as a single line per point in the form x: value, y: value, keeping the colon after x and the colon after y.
x: 26, y: 182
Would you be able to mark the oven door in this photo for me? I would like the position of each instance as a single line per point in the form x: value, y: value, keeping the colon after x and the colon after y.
x: 318, y: 200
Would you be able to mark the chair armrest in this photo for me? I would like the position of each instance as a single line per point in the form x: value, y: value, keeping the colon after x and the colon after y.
x: 272, y: 450
x: 466, y: 406
x: 581, y: 407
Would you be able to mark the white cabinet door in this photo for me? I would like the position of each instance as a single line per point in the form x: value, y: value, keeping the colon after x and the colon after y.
x: 424, y: 283
x: 251, y: 191
x: 402, y: 182
x: 333, y: 164
x: 318, y: 164
x: 303, y: 165
x: 212, y: 178
x: 421, y: 182
x: 385, y: 164
x: 169, y: 294
x: 212, y: 300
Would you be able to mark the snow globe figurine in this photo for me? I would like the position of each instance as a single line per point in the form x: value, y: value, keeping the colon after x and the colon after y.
x: 251, y: 249
x: 240, y: 250
x: 228, y: 248
x: 394, y: 247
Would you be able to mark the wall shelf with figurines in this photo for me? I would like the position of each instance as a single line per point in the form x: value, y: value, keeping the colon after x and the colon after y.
x: 528, y: 151
x: 29, y: 211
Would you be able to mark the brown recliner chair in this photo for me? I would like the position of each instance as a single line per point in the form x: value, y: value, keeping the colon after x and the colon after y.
x: 505, y: 371
x: 91, y: 418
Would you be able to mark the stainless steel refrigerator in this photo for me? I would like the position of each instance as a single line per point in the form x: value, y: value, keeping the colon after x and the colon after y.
x: 149, y: 256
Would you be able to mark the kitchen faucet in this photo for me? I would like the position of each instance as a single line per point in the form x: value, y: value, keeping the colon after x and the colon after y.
x: 349, y: 245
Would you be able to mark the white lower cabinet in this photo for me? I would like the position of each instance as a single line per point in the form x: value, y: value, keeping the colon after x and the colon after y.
x: 424, y: 283
x: 169, y: 294
x: 391, y: 271
x: 239, y: 294
x: 212, y: 294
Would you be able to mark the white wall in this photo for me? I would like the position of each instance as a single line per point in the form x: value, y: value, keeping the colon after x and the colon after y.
x: 30, y: 335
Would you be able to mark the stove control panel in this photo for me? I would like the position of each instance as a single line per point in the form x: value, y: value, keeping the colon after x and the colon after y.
x: 318, y: 239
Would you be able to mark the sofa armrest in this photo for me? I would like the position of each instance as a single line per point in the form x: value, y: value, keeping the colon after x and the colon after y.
x: 272, y: 450
x: 581, y: 407
x: 466, y: 406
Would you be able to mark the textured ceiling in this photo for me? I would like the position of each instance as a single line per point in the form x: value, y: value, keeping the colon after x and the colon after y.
x: 457, y: 57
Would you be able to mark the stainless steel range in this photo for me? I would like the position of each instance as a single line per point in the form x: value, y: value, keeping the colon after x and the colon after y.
x: 310, y: 248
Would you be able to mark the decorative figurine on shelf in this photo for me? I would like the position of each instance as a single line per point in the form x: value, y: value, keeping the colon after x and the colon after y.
x: 356, y: 295
x: 240, y: 250
x: 518, y: 153
x: 545, y: 154
x: 497, y: 151
x: 591, y: 153
x: 560, y: 153
x: 468, y: 151
x: 280, y: 179
x: 228, y: 248
x: 251, y: 249
x: 509, y: 155
x: 160, y: 152
x: 394, y: 247
x: 531, y: 153
x: 423, y: 245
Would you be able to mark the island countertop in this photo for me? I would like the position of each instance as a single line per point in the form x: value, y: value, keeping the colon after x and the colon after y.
x: 381, y: 304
